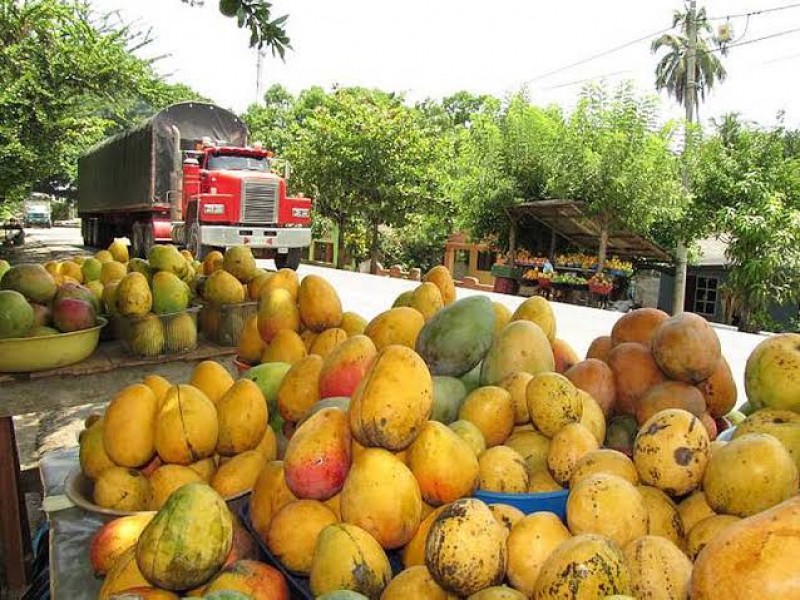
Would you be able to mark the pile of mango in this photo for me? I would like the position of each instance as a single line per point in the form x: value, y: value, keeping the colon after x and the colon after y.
x: 59, y: 296
x: 155, y: 436
x: 35, y: 303
x: 386, y: 430
x: 194, y: 545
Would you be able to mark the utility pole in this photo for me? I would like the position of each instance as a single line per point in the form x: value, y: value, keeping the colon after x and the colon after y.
x: 260, y: 76
x: 690, y: 100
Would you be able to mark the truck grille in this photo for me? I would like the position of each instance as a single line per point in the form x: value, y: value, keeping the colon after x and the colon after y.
x: 260, y: 202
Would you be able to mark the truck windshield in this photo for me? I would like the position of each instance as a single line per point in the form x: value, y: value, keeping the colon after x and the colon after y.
x: 232, y: 162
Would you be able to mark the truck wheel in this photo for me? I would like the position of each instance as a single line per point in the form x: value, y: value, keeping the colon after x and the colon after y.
x: 142, y: 234
x: 195, y: 243
x: 290, y: 260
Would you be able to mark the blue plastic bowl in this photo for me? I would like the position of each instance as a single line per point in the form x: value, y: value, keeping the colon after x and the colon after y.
x: 554, y: 502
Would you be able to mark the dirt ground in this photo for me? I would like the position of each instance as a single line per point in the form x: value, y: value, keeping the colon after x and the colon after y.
x: 38, y: 433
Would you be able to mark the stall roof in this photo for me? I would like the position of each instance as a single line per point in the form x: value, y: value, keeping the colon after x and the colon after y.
x: 568, y: 219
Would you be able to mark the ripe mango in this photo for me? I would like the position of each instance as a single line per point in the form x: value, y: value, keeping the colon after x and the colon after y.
x: 187, y: 427
x: 129, y: 426
x: 520, y: 346
x: 537, y: 309
x: 318, y: 456
x: 299, y: 388
x: 345, y: 367
x: 270, y: 494
x: 399, y: 325
x: 440, y: 276
x: 445, y: 466
x: 239, y: 474
x: 393, y: 400
x: 243, y: 416
x: 353, y: 323
x: 427, y: 299
x: 320, y: 306
x: 286, y: 346
x: 113, y: 539
x: 277, y: 310
x: 348, y: 558
x: 327, y: 341
x: 133, y: 296
x: 382, y: 496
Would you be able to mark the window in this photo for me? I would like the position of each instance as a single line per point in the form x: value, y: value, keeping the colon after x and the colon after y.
x: 461, y: 264
x: 323, y: 252
x: 231, y: 162
x: 485, y: 261
x: 705, y: 296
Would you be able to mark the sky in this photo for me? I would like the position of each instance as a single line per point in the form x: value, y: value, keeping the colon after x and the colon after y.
x: 432, y: 48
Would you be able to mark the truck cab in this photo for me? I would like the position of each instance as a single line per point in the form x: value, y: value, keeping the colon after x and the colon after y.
x: 231, y: 196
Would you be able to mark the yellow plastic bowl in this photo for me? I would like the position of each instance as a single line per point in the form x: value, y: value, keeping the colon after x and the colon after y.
x: 26, y: 355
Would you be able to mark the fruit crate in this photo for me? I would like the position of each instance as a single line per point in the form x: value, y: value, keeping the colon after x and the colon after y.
x: 506, y: 271
x: 223, y: 323
x: 155, y: 335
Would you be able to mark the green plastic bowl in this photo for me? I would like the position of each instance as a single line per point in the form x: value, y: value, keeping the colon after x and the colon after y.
x: 26, y: 355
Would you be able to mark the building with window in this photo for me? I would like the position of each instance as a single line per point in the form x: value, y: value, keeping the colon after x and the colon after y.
x: 706, y: 292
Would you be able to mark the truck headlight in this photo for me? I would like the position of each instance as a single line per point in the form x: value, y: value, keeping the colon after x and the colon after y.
x: 301, y: 213
x: 214, y: 209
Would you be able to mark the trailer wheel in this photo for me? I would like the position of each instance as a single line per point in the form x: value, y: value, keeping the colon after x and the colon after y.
x: 290, y: 260
x: 142, y: 234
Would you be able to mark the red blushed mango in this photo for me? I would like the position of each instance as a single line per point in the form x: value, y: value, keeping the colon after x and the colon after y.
x: 564, y: 355
x: 318, y: 455
x: 344, y: 368
x: 255, y: 579
x: 114, y: 538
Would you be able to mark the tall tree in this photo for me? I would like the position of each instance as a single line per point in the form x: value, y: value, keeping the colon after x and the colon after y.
x: 68, y: 78
x: 366, y: 156
x: 746, y: 183
x: 689, y: 66
x: 610, y: 158
x: 672, y: 68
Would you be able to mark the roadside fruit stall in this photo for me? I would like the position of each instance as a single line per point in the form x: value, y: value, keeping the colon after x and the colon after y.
x: 446, y: 447
x: 559, y: 267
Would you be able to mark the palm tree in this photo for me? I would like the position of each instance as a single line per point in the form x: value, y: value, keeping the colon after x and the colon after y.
x: 671, y: 69
x: 674, y: 74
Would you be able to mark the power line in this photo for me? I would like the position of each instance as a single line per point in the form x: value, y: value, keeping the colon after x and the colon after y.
x: 753, y: 13
x: 577, y: 81
x: 743, y: 43
x: 596, y: 56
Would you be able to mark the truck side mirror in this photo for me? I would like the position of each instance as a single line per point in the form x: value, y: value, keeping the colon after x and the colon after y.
x: 287, y: 170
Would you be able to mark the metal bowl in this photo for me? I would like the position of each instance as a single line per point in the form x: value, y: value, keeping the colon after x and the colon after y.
x: 26, y: 355
x: 80, y: 490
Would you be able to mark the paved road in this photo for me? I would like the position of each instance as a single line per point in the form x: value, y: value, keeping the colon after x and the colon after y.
x: 369, y: 295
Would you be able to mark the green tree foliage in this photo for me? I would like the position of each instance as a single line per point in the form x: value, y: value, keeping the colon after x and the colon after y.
x: 278, y: 119
x: 607, y: 154
x: 67, y: 79
x: 611, y: 158
x: 746, y: 184
x: 368, y: 159
x: 256, y: 16
x: 671, y: 70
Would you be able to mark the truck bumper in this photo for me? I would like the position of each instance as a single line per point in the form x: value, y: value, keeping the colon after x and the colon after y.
x: 256, y: 237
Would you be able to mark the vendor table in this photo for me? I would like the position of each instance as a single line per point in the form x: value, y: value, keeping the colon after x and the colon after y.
x: 95, y: 379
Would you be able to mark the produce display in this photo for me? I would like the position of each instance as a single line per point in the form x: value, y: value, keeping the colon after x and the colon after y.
x: 35, y: 303
x: 383, y: 437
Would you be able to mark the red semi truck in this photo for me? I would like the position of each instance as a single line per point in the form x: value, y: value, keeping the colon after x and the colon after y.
x: 188, y: 176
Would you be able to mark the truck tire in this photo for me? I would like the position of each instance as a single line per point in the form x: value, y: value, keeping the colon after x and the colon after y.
x: 290, y: 260
x: 142, y: 239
